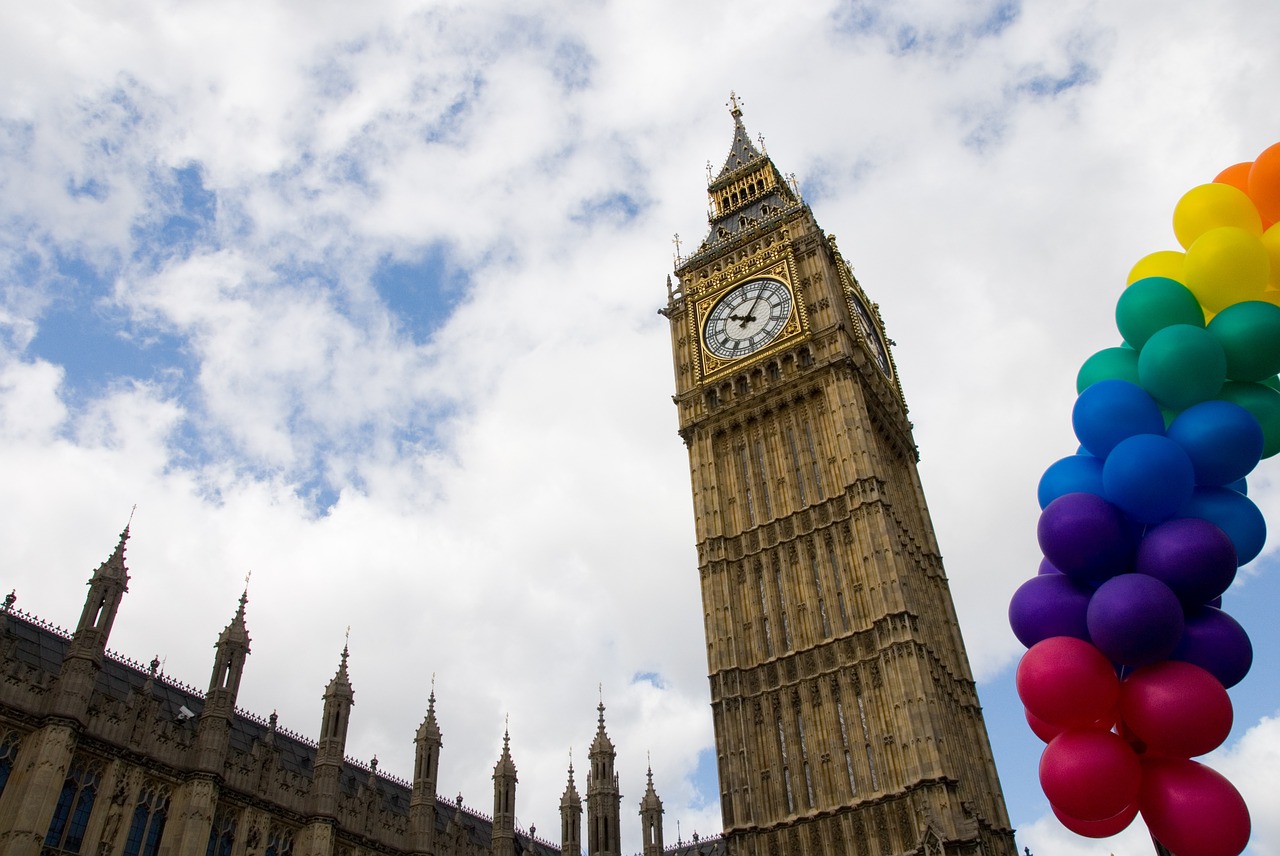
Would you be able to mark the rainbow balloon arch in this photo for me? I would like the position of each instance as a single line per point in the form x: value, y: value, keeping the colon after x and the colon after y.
x: 1143, y: 529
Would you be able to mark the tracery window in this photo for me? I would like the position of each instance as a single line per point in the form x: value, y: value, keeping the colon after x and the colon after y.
x: 279, y: 842
x: 75, y: 804
x: 222, y: 834
x: 149, y: 816
x: 8, y: 754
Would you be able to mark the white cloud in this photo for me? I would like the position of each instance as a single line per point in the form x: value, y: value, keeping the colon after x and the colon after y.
x: 510, y: 501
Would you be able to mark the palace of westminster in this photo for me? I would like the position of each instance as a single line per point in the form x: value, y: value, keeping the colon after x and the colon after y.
x: 845, y: 714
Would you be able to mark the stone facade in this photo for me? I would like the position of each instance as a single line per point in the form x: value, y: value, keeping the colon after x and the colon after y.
x: 106, y: 757
x: 845, y: 712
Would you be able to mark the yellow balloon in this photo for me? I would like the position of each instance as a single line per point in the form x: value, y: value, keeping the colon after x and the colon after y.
x: 1166, y: 263
x: 1271, y: 240
x: 1226, y: 266
x: 1212, y: 206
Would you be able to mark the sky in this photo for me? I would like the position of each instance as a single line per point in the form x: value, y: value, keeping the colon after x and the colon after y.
x: 361, y: 299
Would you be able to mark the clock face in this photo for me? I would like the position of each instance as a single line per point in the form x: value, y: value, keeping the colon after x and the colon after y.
x: 878, y: 349
x: 747, y: 318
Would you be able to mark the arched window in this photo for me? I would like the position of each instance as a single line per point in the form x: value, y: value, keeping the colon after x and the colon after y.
x: 75, y: 804
x: 279, y: 842
x: 8, y: 754
x: 149, y: 816
x: 222, y: 834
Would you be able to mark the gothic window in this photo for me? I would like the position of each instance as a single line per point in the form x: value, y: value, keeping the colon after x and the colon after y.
x: 149, y: 816
x: 75, y: 803
x: 844, y: 742
x: 786, y: 773
x: 817, y: 587
x: 804, y: 758
x: 761, y: 470
x: 795, y: 460
x: 279, y: 842
x: 222, y: 834
x: 744, y: 468
x: 774, y: 371
x: 713, y: 398
x: 782, y: 604
x: 764, y: 614
x: 834, y: 561
x: 8, y: 754
x: 813, y: 457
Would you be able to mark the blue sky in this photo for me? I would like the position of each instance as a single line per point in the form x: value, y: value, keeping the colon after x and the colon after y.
x: 362, y: 299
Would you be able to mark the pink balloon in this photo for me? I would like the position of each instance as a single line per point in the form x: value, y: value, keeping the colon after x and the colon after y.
x: 1090, y: 775
x: 1067, y: 682
x: 1097, y: 828
x: 1176, y: 709
x: 1191, y: 809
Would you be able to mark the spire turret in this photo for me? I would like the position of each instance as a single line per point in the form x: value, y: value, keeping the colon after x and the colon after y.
x: 570, y: 817
x: 603, y: 798
x: 747, y: 196
x: 107, y: 585
x: 503, y: 841
x: 426, y: 764
x: 651, y: 819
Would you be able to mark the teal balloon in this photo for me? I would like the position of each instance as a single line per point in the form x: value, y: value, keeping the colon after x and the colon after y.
x: 1263, y: 402
x: 1108, y: 364
x: 1182, y: 365
x: 1152, y: 304
x: 1249, y: 334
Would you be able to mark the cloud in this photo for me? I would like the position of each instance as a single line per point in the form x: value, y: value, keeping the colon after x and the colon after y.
x: 373, y: 290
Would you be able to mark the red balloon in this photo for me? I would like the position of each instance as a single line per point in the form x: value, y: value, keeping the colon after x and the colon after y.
x: 1067, y: 682
x: 1176, y: 709
x: 1097, y: 828
x: 1046, y: 731
x: 1191, y: 809
x: 1090, y: 775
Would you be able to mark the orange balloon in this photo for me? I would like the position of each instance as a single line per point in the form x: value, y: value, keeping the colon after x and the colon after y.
x: 1236, y: 175
x: 1264, y: 183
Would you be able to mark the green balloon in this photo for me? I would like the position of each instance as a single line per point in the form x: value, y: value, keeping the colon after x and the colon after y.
x: 1182, y: 365
x: 1264, y: 403
x: 1151, y: 304
x: 1249, y: 333
x: 1108, y: 364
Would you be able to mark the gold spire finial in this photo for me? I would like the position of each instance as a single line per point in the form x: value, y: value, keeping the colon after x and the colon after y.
x: 676, y: 240
x: 736, y: 108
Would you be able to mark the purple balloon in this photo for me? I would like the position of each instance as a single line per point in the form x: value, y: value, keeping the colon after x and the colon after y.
x: 1085, y: 537
x: 1047, y: 606
x: 1072, y: 474
x: 1046, y: 567
x: 1111, y: 410
x: 1222, y: 439
x: 1190, y: 555
x: 1134, y: 619
x: 1149, y: 477
x: 1217, y: 643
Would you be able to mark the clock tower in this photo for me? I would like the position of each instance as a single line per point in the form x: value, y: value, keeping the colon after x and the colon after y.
x: 846, y: 718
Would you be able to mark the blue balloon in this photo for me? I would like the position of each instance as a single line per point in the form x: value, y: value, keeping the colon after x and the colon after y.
x: 1112, y: 410
x: 1222, y: 439
x: 1233, y: 513
x: 1073, y: 474
x: 1149, y: 477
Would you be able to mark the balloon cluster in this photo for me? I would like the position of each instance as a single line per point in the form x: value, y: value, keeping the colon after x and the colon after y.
x: 1130, y: 652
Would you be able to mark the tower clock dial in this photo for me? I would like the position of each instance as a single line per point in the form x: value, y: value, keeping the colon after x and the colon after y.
x: 878, y: 349
x: 747, y: 318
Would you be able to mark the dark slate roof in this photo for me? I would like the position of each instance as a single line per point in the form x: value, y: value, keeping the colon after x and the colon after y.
x: 741, y: 151
x: 713, y: 846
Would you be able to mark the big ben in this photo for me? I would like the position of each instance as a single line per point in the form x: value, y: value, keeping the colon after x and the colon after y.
x: 845, y: 714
